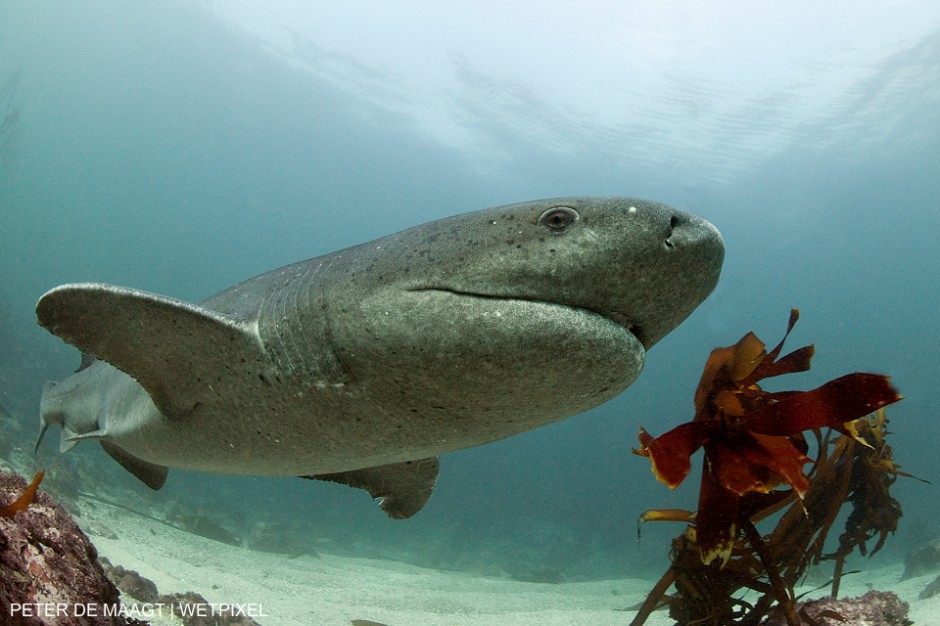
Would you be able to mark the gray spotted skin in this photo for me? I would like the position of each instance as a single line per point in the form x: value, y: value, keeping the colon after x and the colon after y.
x: 362, y: 366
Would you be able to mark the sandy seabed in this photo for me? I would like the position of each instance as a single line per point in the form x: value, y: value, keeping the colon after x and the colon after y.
x: 280, y: 590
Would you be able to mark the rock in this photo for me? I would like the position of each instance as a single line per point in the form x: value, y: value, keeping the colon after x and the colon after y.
x: 229, y: 617
x: 930, y: 590
x: 47, y: 564
x: 875, y: 608
x: 922, y: 560
x: 97, y: 528
x: 185, y: 606
x: 131, y: 582
x: 202, y: 525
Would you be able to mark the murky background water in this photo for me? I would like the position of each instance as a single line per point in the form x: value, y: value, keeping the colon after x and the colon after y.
x: 180, y: 147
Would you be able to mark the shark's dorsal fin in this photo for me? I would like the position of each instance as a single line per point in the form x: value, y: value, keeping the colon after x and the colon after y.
x: 169, y: 346
x: 403, y: 488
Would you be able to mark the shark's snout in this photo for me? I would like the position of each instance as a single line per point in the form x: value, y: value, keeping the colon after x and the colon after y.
x: 687, y: 230
x: 679, y: 276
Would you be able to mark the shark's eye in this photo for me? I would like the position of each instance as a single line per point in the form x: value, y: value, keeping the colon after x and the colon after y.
x: 559, y: 219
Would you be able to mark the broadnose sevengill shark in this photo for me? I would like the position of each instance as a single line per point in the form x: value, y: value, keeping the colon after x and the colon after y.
x: 364, y: 365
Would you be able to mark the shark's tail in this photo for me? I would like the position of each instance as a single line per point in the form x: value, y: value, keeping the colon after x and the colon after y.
x: 43, y: 421
x: 61, y: 403
x: 52, y: 412
x: 75, y: 405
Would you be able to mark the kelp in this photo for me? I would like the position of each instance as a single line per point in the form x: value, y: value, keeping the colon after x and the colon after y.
x: 756, y: 447
x: 27, y: 497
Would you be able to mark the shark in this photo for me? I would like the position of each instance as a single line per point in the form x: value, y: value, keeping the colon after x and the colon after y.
x: 364, y: 365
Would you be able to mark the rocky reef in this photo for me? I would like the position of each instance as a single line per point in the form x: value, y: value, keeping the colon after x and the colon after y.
x: 49, y: 570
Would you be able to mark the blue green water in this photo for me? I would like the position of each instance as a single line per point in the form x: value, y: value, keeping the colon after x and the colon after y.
x: 180, y: 147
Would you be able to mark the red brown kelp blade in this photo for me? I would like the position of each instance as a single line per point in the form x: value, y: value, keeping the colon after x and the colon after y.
x: 753, y: 439
x: 831, y: 405
x: 21, y: 503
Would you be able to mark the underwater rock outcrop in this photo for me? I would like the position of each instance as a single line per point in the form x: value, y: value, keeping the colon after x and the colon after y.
x: 182, y: 605
x: 202, y: 525
x: 131, y: 582
x: 930, y: 590
x: 228, y: 617
x: 49, y: 570
x: 875, y: 608
x: 922, y: 560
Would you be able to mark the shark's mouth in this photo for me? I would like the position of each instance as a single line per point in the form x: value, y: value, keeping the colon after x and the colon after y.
x: 615, y: 317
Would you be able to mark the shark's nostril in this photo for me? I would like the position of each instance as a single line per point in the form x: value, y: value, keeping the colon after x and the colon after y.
x: 675, y: 221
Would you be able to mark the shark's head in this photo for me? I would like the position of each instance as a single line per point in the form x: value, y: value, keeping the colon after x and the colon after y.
x: 550, y: 304
x: 642, y: 265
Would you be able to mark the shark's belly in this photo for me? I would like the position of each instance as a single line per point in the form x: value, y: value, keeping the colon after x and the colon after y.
x: 391, y: 411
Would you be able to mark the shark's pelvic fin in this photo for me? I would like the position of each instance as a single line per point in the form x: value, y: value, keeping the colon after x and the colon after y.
x: 169, y: 346
x: 151, y: 474
x: 403, y: 488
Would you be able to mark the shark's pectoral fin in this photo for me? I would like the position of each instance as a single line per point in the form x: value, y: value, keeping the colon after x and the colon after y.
x: 151, y: 474
x: 404, y: 488
x: 174, y: 349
